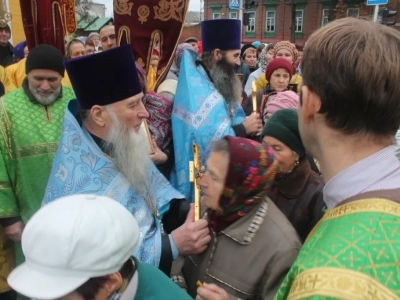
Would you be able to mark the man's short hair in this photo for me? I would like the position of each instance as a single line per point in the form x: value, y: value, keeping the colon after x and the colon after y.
x: 111, y: 23
x: 354, y: 67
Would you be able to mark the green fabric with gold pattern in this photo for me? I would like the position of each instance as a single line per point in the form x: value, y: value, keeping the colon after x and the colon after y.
x: 353, y: 253
x: 29, y: 135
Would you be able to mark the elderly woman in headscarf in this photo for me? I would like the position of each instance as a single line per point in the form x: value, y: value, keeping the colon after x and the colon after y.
x: 297, y: 190
x: 253, y: 243
x: 288, y: 51
x: 168, y: 87
x: 159, y: 122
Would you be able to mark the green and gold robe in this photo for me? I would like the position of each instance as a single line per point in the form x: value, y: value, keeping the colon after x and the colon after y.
x: 352, y: 253
x: 29, y: 135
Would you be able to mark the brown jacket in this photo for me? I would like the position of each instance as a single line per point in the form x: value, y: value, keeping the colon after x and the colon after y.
x: 249, y: 259
x: 299, y: 196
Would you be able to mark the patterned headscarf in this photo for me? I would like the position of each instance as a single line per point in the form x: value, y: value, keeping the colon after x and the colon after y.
x: 176, y: 64
x: 251, y: 173
x: 263, y: 59
x: 288, y: 46
x: 160, y: 109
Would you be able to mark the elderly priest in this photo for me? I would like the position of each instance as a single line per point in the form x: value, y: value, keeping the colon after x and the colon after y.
x: 103, y: 151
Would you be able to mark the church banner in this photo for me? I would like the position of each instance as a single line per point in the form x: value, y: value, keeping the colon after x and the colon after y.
x: 48, y: 21
x: 153, y: 28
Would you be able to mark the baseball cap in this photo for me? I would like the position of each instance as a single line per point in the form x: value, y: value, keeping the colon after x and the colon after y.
x: 71, y: 240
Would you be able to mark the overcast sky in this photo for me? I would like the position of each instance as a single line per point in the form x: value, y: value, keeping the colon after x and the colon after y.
x: 194, y: 5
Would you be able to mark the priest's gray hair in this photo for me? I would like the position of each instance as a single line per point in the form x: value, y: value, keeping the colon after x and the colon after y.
x: 84, y: 114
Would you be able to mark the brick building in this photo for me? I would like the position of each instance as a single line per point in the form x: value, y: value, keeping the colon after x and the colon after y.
x: 270, y: 20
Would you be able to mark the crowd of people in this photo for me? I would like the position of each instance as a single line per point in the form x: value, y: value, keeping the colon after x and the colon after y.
x: 299, y: 187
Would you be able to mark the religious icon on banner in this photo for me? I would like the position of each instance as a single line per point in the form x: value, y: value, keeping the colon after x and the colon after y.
x: 155, y: 27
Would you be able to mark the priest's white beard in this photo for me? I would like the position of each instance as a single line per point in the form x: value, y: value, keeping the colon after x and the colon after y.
x: 129, y: 150
x: 48, y: 99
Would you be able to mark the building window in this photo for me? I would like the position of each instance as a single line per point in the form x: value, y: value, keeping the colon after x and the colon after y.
x: 299, y: 20
x: 325, y: 17
x: 217, y: 15
x: 353, y: 12
x: 270, y: 21
x: 233, y: 15
x: 252, y: 22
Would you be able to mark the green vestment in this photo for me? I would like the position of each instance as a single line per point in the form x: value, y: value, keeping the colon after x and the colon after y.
x: 29, y: 135
x: 352, y: 253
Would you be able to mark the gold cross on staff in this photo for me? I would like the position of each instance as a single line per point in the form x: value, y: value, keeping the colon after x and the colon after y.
x: 196, y: 170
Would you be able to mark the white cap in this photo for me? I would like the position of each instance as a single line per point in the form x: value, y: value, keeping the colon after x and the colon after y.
x: 71, y: 240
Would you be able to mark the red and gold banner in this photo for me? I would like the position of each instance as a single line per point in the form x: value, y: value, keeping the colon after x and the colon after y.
x: 48, y: 21
x: 153, y: 28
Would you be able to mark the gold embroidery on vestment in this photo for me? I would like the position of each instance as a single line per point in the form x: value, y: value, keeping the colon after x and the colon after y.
x: 338, y: 283
x: 169, y: 9
x: 5, y: 127
x: 376, y: 205
x: 123, y: 7
x: 34, y: 150
x: 69, y: 15
x: 143, y: 13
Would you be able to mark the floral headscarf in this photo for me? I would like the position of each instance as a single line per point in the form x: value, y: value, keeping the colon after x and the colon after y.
x: 160, y: 109
x: 288, y: 46
x: 251, y: 173
x: 263, y: 59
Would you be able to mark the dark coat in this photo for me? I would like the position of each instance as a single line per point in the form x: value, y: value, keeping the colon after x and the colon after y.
x: 245, y: 71
x: 6, y: 55
x: 299, y: 196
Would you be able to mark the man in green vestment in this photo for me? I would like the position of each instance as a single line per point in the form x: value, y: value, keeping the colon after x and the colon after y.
x: 30, y: 128
x: 349, y: 113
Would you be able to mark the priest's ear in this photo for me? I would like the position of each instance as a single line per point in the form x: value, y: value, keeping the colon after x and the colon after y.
x: 98, y: 115
x: 217, y: 55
